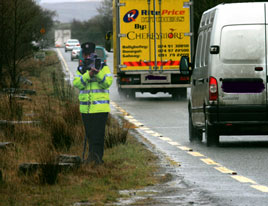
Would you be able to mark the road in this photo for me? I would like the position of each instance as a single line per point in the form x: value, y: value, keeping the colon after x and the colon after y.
x: 235, y: 173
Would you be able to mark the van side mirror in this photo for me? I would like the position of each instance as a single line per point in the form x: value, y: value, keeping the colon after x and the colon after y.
x: 108, y: 41
x: 185, y: 65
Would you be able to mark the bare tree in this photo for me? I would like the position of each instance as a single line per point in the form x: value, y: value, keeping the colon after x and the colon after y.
x: 106, y: 15
x: 95, y: 28
x: 20, y: 24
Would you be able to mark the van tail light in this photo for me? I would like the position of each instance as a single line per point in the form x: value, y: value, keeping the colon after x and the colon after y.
x: 213, y: 89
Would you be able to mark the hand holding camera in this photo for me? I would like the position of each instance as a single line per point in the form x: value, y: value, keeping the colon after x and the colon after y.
x: 93, y: 71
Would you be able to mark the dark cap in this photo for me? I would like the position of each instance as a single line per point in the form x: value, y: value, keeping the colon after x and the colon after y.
x: 88, y: 47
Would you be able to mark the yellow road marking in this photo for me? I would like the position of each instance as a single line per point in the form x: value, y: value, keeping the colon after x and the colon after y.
x: 150, y: 131
x: 196, y: 154
x: 174, y: 143
x: 132, y: 120
x: 129, y: 117
x: 225, y: 170
x: 243, y: 179
x: 139, y: 124
x: 260, y: 188
x: 184, y: 148
x: 156, y: 134
x: 124, y: 112
x: 210, y: 161
x: 172, y: 162
x: 144, y: 128
x: 63, y: 60
x: 165, y: 139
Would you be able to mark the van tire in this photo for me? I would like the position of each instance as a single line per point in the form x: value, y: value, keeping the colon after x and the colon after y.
x: 212, y: 137
x: 194, y: 133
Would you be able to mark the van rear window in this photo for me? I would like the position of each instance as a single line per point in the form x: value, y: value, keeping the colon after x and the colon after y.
x: 242, y: 44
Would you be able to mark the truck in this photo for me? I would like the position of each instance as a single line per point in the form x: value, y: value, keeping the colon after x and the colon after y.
x: 61, y: 36
x: 149, y: 38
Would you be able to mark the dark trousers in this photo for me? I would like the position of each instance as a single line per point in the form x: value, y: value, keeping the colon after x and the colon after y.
x: 95, y: 130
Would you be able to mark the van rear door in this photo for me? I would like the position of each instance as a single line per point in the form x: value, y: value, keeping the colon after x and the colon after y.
x: 242, y: 69
x: 243, y: 61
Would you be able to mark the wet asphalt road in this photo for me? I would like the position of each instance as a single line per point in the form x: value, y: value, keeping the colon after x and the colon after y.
x: 235, y: 173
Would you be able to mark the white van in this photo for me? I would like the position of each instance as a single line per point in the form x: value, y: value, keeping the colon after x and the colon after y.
x: 229, y: 74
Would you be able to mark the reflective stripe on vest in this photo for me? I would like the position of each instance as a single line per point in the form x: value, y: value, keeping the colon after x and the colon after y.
x: 93, y: 79
x: 94, y: 91
x: 106, y: 75
x: 83, y: 82
x: 95, y: 102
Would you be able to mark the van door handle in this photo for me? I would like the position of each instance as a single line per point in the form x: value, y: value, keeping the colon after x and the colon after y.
x: 258, y: 69
x: 201, y: 80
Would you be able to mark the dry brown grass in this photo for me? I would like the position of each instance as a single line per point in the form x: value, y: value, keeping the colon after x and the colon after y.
x: 61, y: 131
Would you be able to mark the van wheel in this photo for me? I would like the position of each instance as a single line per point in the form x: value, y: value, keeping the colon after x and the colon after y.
x: 194, y: 133
x: 212, y: 137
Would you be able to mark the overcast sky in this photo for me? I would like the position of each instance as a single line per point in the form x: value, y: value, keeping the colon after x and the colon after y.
x: 59, y: 1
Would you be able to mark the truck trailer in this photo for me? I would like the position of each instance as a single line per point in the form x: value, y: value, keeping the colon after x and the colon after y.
x: 149, y: 38
x: 61, y: 36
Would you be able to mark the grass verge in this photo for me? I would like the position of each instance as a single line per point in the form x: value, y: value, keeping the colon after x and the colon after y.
x: 128, y: 165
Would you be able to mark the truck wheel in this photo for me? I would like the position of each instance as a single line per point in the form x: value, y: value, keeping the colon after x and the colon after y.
x: 121, y: 93
x: 175, y: 96
x: 212, y: 137
x: 194, y: 133
x: 131, y: 94
x: 183, y: 93
x: 180, y: 94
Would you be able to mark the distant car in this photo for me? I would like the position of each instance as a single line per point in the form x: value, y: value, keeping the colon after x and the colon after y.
x: 70, y: 44
x: 100, y: 51
x: 75, y: 52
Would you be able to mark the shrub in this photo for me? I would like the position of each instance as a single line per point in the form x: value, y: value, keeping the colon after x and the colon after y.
x: 115, y: 133
x: 62, y: 90
x: 49, y: 168
x: 10, y: 108
x: 61, y: 134
x: 71, y: 114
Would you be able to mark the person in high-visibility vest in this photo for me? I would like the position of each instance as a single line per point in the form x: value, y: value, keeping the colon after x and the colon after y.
x: 94, y: 99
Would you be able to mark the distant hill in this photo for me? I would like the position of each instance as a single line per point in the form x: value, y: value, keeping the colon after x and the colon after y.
x: 68, y: 11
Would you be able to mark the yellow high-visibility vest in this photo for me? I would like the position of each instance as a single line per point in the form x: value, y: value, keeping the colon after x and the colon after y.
x: 94, y: 91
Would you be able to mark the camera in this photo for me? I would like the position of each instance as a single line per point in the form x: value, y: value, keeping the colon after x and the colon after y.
x: 91, y: 62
